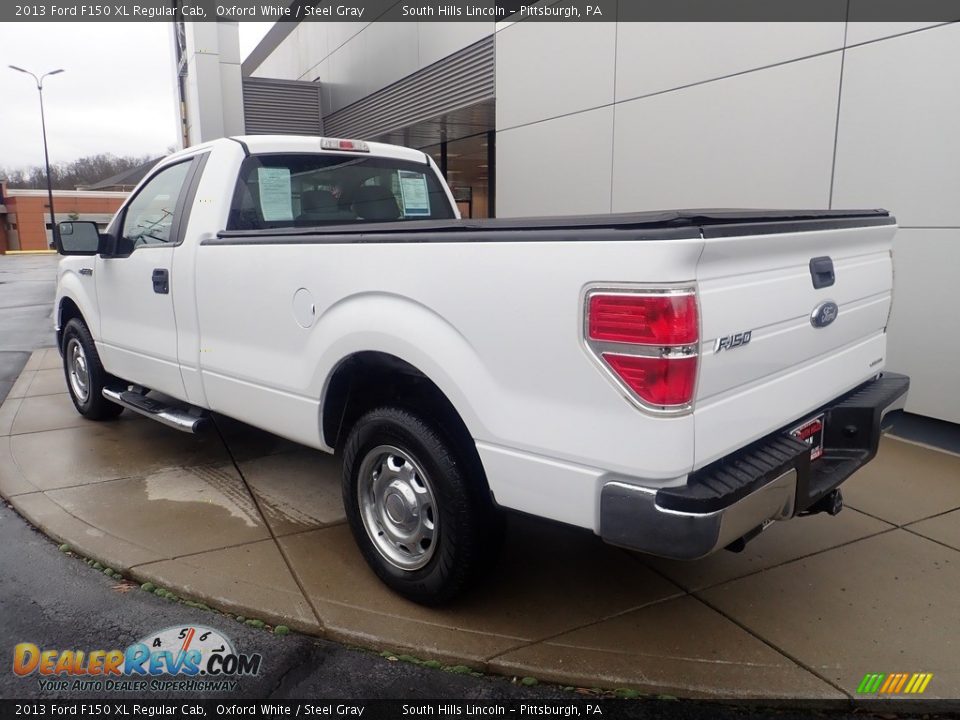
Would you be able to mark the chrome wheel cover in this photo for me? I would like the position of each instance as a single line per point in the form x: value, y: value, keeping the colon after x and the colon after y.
x: 78, y: 371
x: 398, y: 507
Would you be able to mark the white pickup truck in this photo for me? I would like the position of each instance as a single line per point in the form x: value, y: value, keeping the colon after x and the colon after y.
x: 672, y: 381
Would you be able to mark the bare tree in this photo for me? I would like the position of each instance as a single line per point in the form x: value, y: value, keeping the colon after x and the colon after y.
x: 67, y: 176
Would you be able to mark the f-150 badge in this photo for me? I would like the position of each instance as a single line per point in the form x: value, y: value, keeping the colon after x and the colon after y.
x: 729, y: 342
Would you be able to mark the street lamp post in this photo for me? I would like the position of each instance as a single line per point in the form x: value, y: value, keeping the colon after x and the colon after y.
x: 46, y: 156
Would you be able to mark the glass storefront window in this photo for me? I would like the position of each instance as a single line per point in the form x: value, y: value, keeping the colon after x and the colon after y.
x: 468, y: 173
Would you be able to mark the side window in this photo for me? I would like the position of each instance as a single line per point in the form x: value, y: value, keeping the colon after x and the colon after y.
x: 149, y: 216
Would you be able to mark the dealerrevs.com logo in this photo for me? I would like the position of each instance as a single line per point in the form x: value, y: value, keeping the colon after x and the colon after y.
x: 179, y: 659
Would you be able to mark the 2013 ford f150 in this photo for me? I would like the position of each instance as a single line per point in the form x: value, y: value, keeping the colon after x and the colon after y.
x: 673, y: 381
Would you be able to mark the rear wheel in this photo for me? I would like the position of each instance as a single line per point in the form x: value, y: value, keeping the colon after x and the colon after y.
x: 423, y: 521
x: 84, y: 373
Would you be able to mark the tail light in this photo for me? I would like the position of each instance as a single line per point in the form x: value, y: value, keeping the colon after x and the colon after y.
x: 647, y: 340
x: 644, y: 319
x: 338, y: 144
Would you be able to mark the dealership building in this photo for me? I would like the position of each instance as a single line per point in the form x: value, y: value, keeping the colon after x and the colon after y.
x: 25, y: 214
x: 537, y: 118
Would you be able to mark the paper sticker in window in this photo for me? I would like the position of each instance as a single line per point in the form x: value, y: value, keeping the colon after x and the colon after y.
x: 276, y: 198
x: 413, y: 189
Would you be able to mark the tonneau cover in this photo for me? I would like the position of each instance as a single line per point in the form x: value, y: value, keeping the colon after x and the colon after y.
x: 767, y: 220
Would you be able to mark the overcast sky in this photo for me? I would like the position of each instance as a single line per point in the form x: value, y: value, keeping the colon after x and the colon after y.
x: 117, y: 94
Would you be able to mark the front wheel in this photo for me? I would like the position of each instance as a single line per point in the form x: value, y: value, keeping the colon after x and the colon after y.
x: 84, y: 373
x: 423, y: 521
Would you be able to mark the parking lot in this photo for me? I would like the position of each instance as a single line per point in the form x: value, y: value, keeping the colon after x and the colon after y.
x: 250, y: 523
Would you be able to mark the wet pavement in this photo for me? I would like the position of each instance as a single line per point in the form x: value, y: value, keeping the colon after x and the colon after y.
x: 27, y: 285
x: 55, y: 601
x: 252, y: 524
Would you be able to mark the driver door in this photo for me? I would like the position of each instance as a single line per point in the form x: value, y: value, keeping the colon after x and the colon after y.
x: 138, y: 330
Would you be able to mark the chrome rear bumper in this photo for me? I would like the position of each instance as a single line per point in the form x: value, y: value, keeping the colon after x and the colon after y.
x: 771, y: 479
x: 630, y: 517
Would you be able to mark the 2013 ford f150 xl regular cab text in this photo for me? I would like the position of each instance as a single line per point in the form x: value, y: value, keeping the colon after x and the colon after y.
x: 672, y: 381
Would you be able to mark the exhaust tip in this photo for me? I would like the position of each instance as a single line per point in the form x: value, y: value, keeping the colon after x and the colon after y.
x: 740, y: 543
x: 835, y: 502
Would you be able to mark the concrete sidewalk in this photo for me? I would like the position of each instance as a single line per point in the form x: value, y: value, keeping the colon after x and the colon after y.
x: 252, y: 524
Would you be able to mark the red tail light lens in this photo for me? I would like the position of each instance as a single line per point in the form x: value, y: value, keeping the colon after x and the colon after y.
x: 648, y: 340
x: 644, y: 319
x: 656, y: 380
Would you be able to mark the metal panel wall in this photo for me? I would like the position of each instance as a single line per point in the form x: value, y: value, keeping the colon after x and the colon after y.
x: 458, y: 81
x: 282, y: 107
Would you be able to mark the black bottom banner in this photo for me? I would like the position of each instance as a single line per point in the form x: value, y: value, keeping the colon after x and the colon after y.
x: 609, y: 709
x: 367, y: 710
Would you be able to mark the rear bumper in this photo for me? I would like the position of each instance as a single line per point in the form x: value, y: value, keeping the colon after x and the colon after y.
x: 771, y: 479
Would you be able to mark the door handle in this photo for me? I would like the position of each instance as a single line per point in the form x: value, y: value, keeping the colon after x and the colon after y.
x: 821, y: 272
x: 161, y: 281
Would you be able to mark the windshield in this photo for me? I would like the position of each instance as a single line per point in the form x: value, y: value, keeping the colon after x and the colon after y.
x: 304, y: 190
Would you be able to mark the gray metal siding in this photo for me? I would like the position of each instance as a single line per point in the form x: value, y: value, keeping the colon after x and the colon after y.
x: 458, y: 81
x: 282, y: 107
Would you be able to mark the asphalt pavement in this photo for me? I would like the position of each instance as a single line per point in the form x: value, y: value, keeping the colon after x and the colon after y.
x: 27, y: 287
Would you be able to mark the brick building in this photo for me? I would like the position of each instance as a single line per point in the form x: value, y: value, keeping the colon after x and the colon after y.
x: 25, y: 214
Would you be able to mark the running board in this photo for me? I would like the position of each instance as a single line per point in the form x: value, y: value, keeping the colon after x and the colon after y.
x: 190, y: 420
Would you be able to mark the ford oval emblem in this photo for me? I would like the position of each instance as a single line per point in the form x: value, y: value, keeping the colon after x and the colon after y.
x: 824, y: 314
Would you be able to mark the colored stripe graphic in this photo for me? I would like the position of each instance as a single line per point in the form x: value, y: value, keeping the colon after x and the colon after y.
x: 894, y: 683
x: 903, y: 679
x: 891, y: 680
x: 871, y: 682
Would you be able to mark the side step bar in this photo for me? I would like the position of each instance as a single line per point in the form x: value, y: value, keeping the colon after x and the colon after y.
x: 190, y: 419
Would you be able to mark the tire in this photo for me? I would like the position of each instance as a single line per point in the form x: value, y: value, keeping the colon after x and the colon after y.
x: 422, y: 519
x: 84, y: 373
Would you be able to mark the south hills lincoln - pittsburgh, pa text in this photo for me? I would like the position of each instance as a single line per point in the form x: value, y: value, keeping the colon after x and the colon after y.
x: 498, y: 12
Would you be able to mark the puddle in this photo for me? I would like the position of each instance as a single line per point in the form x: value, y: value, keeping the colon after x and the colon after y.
x: 211, y: 485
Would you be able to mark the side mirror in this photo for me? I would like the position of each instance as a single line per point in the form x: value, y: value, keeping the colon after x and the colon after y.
x: 79, y: 237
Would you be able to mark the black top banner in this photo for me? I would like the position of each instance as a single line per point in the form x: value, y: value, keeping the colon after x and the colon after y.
x: 927, y: 11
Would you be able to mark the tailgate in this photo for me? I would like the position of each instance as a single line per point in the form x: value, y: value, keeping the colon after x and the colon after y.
x: 775, y: 347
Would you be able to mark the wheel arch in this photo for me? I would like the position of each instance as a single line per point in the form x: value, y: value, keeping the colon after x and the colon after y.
x: 67, y: 310
x: 73, y: 301
x: 385, y: 331
x: 365, y: 380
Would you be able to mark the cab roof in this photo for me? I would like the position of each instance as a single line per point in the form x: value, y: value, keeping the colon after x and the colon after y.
x: 258, y: 144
